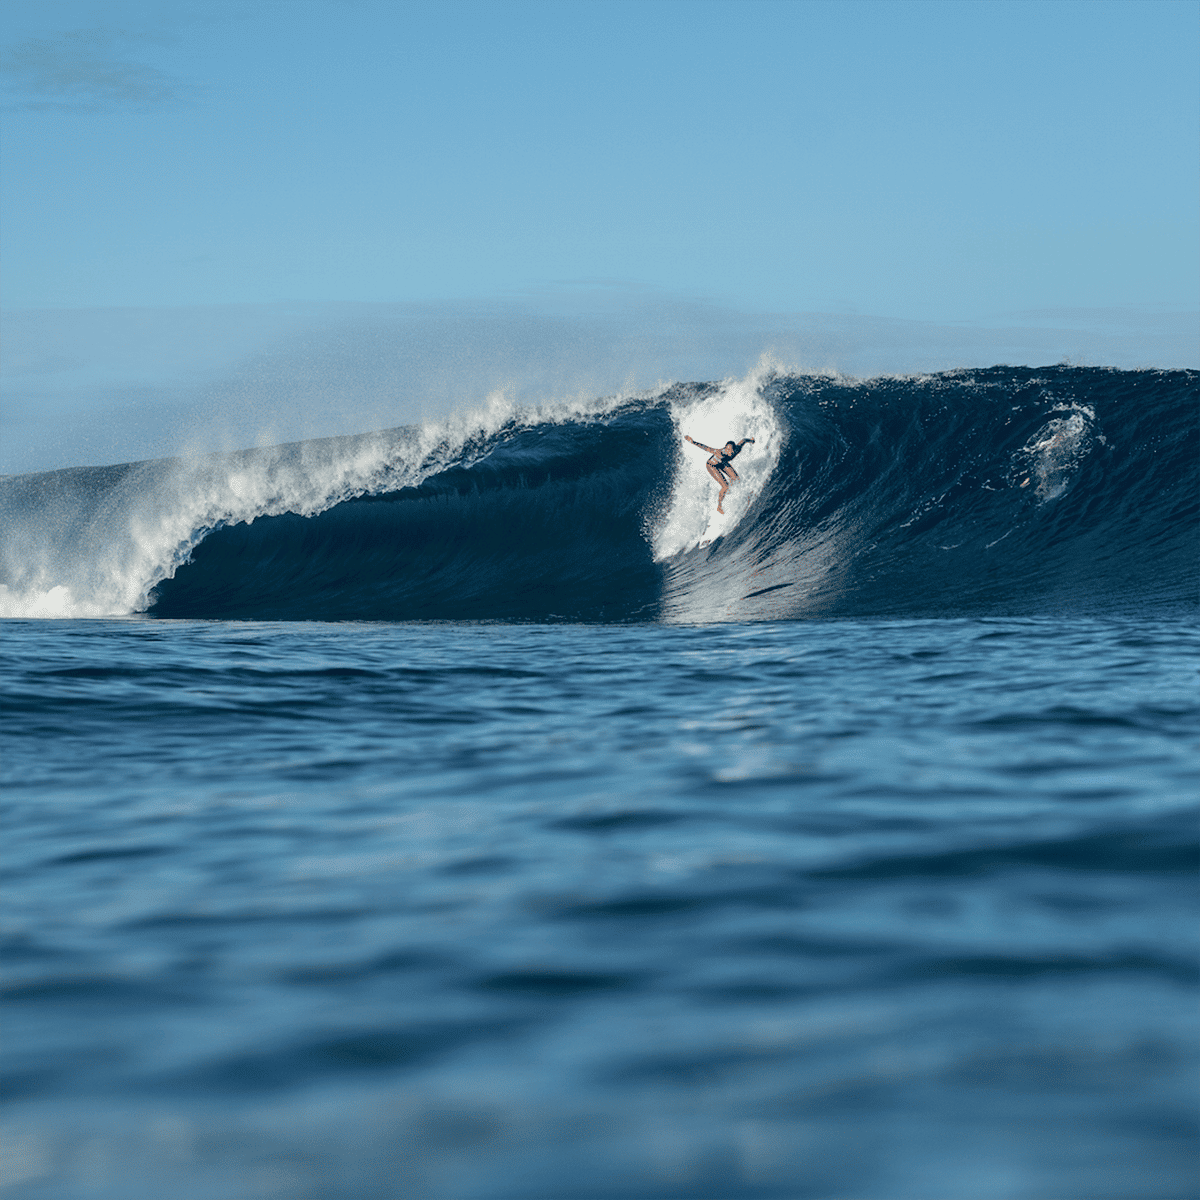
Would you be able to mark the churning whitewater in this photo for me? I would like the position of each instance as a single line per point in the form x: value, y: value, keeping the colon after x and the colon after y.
x: 1002, y: 490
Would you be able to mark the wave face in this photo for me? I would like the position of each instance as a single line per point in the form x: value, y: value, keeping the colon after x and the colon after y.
x: 994, y: 491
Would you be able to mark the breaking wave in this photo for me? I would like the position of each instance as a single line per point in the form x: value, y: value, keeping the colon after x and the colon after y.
x: 1000, y: 490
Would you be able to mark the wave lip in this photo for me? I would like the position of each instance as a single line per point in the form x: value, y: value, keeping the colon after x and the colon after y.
x: 1002, y: 491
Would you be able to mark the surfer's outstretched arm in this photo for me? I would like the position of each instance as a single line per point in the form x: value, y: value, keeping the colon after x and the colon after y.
x: 687, y: 437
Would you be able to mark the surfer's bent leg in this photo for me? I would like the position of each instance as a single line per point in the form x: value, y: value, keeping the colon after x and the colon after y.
x: 719, y: 475
x: 720, y: 478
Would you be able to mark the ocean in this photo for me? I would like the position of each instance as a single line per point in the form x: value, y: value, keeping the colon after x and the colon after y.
x: 470, y: 812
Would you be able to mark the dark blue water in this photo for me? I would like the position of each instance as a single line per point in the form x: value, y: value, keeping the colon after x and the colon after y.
x: 861, y: 907
x: 770, y: 860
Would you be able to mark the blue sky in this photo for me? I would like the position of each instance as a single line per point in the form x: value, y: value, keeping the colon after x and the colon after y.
x: 977, y: 164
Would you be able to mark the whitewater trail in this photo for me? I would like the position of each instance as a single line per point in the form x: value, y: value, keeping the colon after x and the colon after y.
x: 736, y: 409
x: 1048, y: 460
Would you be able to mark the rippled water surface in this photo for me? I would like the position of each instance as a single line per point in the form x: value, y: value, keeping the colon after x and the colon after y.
x: 874, y: 908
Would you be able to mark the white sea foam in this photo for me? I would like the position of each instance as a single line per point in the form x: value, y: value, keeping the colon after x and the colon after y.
x: 736, y: 409
x: 1050, y: 459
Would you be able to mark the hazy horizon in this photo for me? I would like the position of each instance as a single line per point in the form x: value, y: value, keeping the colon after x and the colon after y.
x: 96, y: 386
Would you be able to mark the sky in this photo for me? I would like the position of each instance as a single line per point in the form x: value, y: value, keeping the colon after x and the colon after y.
x: 229, y: 222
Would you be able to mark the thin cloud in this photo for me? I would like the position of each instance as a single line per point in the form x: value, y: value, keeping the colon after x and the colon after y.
x: 85, y: 70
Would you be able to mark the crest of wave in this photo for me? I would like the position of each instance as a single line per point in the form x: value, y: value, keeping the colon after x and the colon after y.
x: 74, y: 547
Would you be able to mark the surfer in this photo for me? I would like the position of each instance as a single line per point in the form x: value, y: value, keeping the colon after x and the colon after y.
x: 719, y: 465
